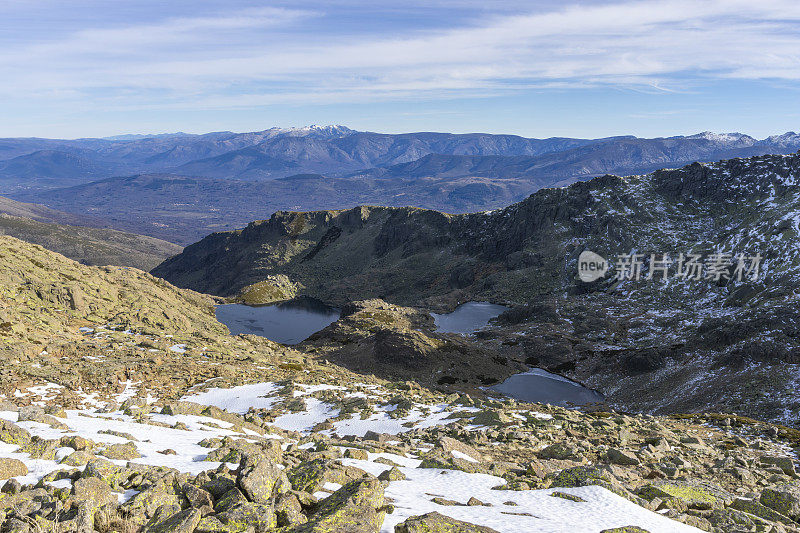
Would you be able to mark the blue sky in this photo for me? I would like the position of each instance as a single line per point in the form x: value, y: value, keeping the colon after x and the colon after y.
x: 72, y: 68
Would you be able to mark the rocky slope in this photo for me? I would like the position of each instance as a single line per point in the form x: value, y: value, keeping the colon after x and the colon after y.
x: 723, y: 344
x: 127, y: 407
x: 69, y: 235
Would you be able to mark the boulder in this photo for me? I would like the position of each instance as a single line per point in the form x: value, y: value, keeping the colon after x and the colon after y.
x: 762, y: 511
x: 260, y: 479
x: 393, y: 474
x: 92, y: 490
x: 620, y: 457
x: 437, y: 523
x: 311, y: 476
x: 247, y: 515
x: 560, y: 450
x: 784, y: 499
x: 13, y: 434
x: 125, y: 451
x: 358, y: 507
x: 12, y: 468
x: 289, y: 511
x: 181, y: 522
x: 784, y: 463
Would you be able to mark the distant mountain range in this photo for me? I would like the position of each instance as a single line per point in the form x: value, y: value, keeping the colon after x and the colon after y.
x: 182, y: 186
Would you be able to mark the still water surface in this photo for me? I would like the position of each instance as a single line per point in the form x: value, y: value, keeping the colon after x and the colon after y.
x: 541, y: 386
x: 287, y: 322
x: 467, y: 318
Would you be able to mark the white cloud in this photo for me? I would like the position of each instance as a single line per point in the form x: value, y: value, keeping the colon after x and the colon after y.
x: 264, y: 56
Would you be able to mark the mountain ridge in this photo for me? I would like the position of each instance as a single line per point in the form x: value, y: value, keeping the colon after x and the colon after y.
x: 525, y: 255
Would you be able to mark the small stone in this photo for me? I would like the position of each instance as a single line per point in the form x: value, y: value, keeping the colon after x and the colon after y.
x: 565, y: 496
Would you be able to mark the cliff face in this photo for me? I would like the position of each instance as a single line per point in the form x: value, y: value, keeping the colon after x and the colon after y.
x: 660, y: 345
x: 529, y: 249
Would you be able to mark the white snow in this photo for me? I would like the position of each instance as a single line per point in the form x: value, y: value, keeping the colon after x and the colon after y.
x: 315, y: 413
x: 238, y: 399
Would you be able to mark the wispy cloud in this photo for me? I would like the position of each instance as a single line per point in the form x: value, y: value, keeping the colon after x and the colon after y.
x: 265, y: 56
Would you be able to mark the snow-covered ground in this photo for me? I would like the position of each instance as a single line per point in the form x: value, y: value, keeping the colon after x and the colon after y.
x: 504, y: 510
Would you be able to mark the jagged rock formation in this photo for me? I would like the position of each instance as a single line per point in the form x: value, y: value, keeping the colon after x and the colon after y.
x: 723, y: 344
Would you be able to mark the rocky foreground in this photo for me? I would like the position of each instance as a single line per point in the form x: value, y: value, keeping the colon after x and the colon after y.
x: 127, y: 407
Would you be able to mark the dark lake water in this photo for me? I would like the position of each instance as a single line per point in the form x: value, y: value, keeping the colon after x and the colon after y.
x: 287, y: 322
x: 467, y: 318
x: 540, y: 386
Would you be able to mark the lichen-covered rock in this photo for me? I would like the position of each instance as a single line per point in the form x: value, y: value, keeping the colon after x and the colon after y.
x: 218, y: 486
x: 358, y: 507
x: 581, y: 476
x: 784, y: 499
x: 696, y: 495
x: 261, y: 479
x: 181, y: 522
x: 393, y: 474
x: 37, y: 414
x: 13, y: 434
x: 625, y: 529
x: 289, y: 511
x: 438, y: 458
x: 146, y: 502
x: 93, y: 490
x: 356, y: 453
x: 310, y: 476
x: 39, y: 448
x: 438, y: 523
x: 246, y: 515
x: 560, y: 450
x: 491, y: 417
x: 196, y: 496
x: 784, y: 463
x: 622, y: 457
x: 77, y: 458
x: 123, y: 451
x: 88, y: 495
x: 229, y: 500
x: 762, y: 511
x: 12, y: 468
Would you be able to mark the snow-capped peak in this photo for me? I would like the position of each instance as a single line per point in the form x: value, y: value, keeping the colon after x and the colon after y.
x: 789, y: 138
x: 330, y: 131
x: 726, y: 139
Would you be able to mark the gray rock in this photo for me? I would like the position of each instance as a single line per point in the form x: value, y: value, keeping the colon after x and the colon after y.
x: 260, y: 479
x: 181, y: 522
x: 12, y: 468
x: 434, y: 521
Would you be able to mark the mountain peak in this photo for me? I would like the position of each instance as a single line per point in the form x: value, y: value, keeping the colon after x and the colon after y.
x: 730, y: 139
x: 329, y: 131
